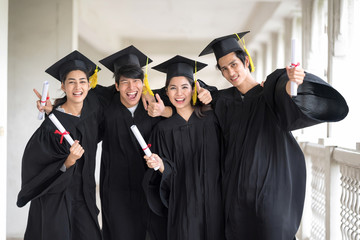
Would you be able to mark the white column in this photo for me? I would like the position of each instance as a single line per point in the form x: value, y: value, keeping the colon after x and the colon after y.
x: 3, y: 111
x: 40, y: 33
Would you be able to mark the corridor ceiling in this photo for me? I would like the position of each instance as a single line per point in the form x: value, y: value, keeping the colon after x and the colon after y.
x: 110, y: 24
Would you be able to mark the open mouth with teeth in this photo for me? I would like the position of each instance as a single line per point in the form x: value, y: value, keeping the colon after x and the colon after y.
x: 132, y: 95
x: 180, y: 100
x: 77, y: 94
x: 234, y: 78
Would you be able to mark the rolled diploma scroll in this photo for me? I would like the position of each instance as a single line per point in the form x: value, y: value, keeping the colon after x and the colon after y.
x: 61, y: 128
x: 293, y: 86
x: 43, y: 98
x: 142, y: 142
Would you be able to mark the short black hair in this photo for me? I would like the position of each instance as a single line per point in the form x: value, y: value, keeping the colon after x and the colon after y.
x: 129, y: 71
x: 239, y: 54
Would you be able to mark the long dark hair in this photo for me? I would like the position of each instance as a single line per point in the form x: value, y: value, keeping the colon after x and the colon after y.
x: 61, y: 101
x: 199, y: 107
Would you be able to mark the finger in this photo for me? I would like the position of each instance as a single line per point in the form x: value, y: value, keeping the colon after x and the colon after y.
x: 37, y: 93
x: 144, y: 103
x: 158, y: 98
x: 198, y: 86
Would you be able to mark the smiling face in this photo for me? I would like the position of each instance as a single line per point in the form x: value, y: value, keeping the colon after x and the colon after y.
x: 233, y: 69
x: 180, y: 92
x: 76, y: 86
x: 130, y: 91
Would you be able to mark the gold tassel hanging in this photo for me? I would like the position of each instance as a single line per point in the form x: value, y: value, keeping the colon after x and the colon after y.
x: 194, y: 96
x: 247, y: 52
x: 94, y: 78
x: 146, y: 87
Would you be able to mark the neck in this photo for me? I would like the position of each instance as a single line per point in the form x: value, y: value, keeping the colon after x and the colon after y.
x: 74, y: 109
x: 248, y: 84
x: 186, y: 112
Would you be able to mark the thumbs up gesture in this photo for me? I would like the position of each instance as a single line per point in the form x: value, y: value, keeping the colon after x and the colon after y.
x: 204, y: 95
x: 155, y: 109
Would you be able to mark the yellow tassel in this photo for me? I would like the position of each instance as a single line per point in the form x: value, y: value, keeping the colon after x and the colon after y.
x: 247, y: 52
x: 94, y: 78
x: 146, y: 87
x: 194, y: 96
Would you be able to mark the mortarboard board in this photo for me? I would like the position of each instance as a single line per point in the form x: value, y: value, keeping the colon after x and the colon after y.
x: 128, y: 56
x: 73, y: 61
x: 224, y: 45
x: 179, y: 66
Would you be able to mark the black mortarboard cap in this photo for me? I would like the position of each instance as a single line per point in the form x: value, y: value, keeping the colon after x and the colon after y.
x: 224, y: 45
x: 72, y: 61
x: 128, y: 56
x: 179, y: 66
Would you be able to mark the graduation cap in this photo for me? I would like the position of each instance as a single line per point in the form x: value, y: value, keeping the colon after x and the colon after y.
x: 224, y: 45
x: 73, y: 61
x: 128, y: 56
x: 180, y: 66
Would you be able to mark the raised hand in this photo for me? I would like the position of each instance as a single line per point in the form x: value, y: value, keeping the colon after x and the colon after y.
x: 147, y: 98
x: 48, y: 106
x: 296, y: 75
x: 156, y: 109
x: 204, y: 95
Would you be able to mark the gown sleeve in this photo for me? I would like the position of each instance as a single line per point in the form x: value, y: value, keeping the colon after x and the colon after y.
x: 41, y: 163
x: 155, y: 184
x: 105, y: 94
x: 316, y: 101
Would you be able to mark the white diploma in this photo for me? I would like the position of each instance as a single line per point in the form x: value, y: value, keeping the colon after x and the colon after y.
x: 142, y: 142
x: 43, y: 98
x: 61, y: 129
x: 293, y: 86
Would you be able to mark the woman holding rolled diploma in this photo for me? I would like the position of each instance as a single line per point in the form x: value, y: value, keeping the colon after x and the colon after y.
x: 186, y: 147
x: 58, y: 178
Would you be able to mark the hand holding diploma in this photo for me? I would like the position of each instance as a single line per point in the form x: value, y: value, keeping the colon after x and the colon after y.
x: 43, y: 98
x: 61, y: 130
x: 295, y: 73
x: 43, y: 105
x: 155, y: 162
x: 142, y: 142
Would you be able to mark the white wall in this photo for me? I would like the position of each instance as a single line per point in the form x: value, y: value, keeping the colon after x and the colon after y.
x: 3, y: 111
x: 40, y: 33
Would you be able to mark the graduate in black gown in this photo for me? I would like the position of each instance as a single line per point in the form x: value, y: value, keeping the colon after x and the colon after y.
x: 125, y: 213
x: 264, y: 169
x: 58, y: 178
x: 186, y: 146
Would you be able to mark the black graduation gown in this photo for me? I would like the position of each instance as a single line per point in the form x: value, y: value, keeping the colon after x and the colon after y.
x: 125, y: 212
x: 63, y: 204
x: 190, y: 186
x: 264, y: 168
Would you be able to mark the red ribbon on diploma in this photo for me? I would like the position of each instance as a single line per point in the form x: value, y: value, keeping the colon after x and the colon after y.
x: 62, y: 135
x: 45, y: 100
x: 295, y: 65
x: 149, y: 145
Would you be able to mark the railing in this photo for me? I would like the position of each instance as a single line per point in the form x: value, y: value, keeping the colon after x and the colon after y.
x: 332, y: 201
